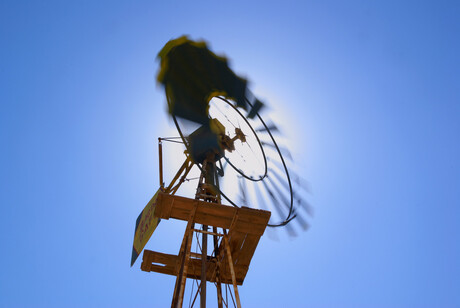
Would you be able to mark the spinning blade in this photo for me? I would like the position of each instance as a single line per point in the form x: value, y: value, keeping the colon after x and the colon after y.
x: 213, y: 107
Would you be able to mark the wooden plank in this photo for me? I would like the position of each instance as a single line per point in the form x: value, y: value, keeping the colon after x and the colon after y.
x: 171, y: 206
x: 165, y: 264
x: 161, y: 270
x: 146, y: 262
x: 254, y: 216
x: 249, y: 220
x: 205, y: 218
x: 160, y: 207
x: 195, y: 269
x: 236, y: 240
x: 218, y: 209
x: 164, y: 258
x: 249, y: 228
x: 186, y: 258
x: 248, y: 249
x: 244, y: 225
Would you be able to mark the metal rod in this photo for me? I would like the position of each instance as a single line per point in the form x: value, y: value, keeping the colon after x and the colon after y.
x: 204, y: 258
x: 208, y: 232
x: 160, y: 159
x: 186, y: 167
x: 196, y: 295
x: 231, y: 296
x: 216, y: 252
x: 176, y: 177
x: 232, y: 270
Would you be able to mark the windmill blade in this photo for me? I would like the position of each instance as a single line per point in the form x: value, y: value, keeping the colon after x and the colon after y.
x: 275, y: 200
x: 301, y: 182
x: 304, y: 224
x: 242, y: 186
x: 282, y: 150
x: 267, y: 202
x: 261, y: 202
x: 272, y: 234
x: 281, y: 181
x: 306, y: 206
x: 271, y: 127
x: 294, y: 176
x: 255, y: 107
x: 300, y: 201
x: 287, y: 203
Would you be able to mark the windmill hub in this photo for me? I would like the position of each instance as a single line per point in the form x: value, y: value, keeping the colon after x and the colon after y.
x: 211, y: 139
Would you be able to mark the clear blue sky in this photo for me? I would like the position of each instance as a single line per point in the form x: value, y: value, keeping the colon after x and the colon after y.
x: 371, y: 94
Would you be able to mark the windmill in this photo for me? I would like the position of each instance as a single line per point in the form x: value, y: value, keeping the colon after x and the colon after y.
x: 243, y: 176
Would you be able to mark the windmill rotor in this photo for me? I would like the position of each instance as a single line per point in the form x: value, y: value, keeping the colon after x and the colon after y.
x: 201, y: 88
x: 239, y: 163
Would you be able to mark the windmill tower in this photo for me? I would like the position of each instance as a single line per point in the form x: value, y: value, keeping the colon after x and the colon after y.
x: 228, y: 131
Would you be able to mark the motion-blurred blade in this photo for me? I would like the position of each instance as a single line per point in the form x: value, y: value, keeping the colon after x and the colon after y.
x: 303, y: 223
x: 306, y: 206
x: 283, y: 150
x: 287, y: 203
x: 296, y: 195
x: 272, y: 234
x: 271, y: 127
x: 299, y: 181
x: 243, y: 194
x: 275, y: 203
x: 284, y: 182
x: 255, y: 109
x: 261, y: 202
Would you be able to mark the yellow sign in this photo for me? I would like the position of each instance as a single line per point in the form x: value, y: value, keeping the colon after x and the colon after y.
x: 146, y: 223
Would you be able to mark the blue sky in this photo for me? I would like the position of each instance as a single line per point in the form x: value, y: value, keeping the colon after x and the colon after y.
x: 367, y: 92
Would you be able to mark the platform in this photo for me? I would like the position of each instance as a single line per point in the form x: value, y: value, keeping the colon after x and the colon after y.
x: 245, y: 227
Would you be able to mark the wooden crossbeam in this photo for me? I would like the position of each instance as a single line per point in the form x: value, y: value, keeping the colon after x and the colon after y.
x: 249, y: 220
x: 245, y: 227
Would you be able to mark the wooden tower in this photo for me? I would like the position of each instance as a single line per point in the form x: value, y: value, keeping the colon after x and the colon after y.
x: 235, y: 233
